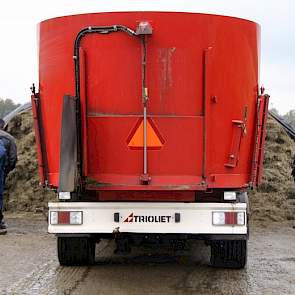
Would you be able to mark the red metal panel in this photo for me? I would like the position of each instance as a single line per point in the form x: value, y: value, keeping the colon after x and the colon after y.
x: 41, y: 164
x: 147, y: 196
x: 109, y: 152
x: 228, y: 180
x: 233, y: 157
x: 232, y: 91
x: 260, y: 140
x: 191, y: 102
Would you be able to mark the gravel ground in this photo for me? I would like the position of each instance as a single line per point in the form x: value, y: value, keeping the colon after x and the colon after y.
x: 29, y: 266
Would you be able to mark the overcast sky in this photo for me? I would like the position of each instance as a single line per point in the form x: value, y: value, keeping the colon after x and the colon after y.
x: 18, y: 53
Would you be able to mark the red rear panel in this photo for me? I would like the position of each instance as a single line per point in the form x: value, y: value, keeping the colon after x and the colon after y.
x: 202, y: 78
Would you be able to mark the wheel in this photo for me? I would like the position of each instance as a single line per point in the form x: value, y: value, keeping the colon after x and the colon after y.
x: 229, y: 254
x: 75, y: 251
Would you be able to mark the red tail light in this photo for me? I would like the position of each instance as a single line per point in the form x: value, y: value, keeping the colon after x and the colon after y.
x: 63, y: 217
x: 66, y: 217
x: 228, y: 218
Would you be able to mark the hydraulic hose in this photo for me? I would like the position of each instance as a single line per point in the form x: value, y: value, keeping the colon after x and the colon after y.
x: 80, y: 35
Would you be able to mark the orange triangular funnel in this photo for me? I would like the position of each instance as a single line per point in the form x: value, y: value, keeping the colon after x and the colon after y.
x: 154, y: 139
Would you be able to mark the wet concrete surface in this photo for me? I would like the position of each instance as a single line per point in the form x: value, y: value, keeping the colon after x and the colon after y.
x: 28, y: 265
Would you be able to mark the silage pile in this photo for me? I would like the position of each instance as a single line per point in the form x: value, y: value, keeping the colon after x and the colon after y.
x: 23, y: 192
x: 274, y: 200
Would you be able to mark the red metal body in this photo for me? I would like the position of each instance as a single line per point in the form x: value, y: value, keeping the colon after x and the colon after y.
x: 202, y: 79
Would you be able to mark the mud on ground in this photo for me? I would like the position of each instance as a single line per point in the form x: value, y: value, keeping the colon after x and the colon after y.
x: 29, y: 266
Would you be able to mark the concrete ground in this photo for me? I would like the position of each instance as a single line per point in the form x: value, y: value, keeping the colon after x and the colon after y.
x: 28, y: 265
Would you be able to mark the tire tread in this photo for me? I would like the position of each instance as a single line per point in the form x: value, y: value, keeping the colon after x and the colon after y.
x: 75, y: 251
x: 229, y: 254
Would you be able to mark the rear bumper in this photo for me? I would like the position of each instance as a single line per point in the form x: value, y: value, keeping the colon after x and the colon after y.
x: 195, y: 218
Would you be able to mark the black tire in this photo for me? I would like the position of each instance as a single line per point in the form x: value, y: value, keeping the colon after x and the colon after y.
x: 75, y: 251
x: 229, y: 254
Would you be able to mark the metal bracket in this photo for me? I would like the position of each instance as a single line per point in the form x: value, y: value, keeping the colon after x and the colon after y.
x: 144, y: 28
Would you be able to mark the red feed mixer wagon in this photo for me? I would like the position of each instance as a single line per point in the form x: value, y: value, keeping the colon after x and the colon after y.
x: 150, y: 126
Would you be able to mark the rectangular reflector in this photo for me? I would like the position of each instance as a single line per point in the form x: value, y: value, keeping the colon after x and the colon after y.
x: 240, y: 218
x: 63, y: 217
x: 53, y: 217
x: 228, y: 218
x: 76, y: 217
x: 230, y: 196
x: 66, y: 217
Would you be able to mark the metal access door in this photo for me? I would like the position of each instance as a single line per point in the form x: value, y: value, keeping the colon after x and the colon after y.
x: 141, y: 113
